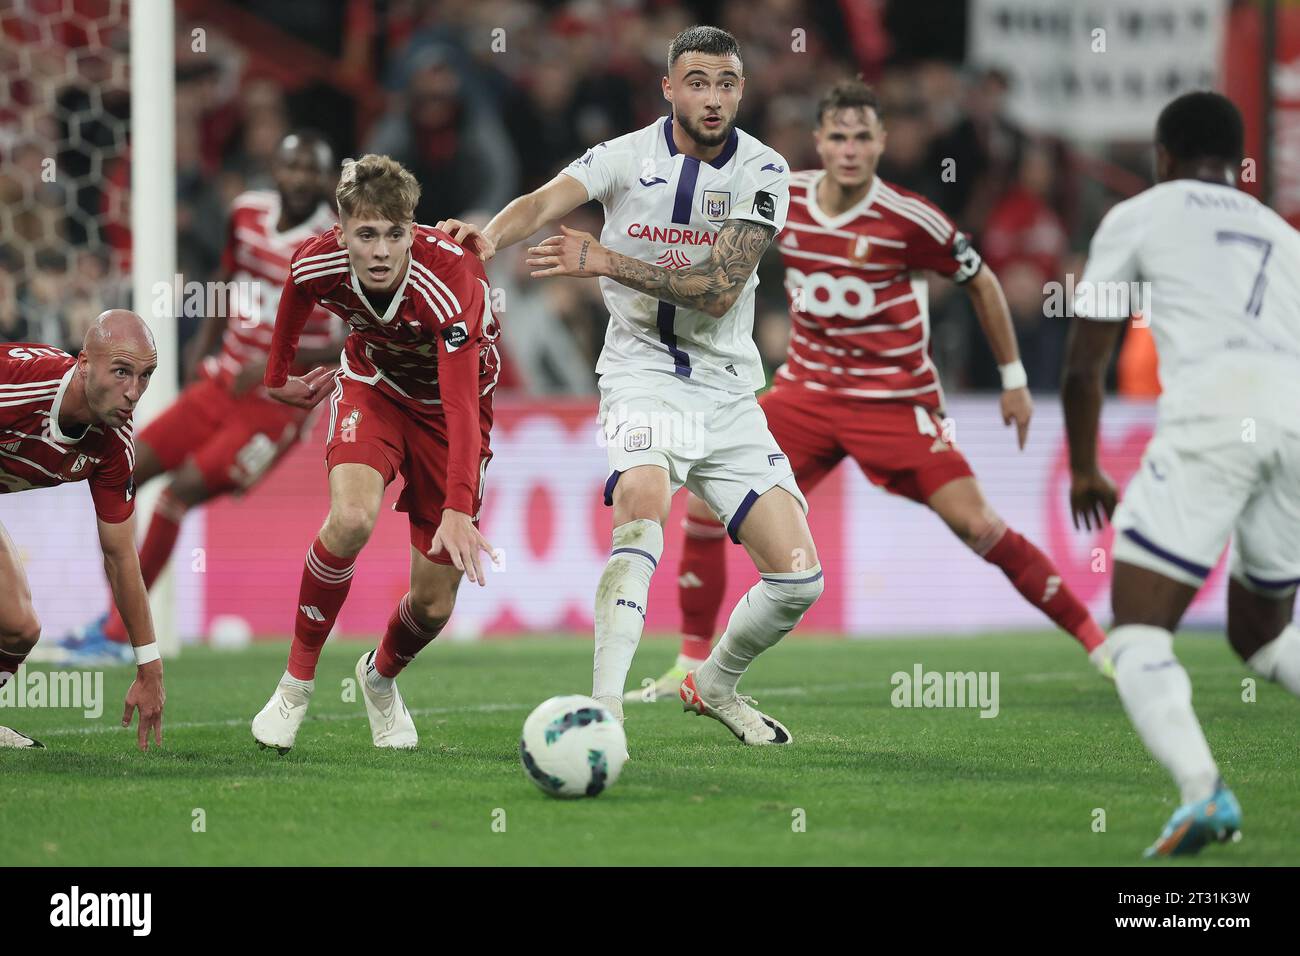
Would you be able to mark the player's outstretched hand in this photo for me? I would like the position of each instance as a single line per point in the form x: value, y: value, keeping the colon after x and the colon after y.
x: 457, y: 535
x: 470, y: 236
x: 148, y: 696
x: 573, y: 254
x: 1091, y: 496
x: 1018, y: 407
x: 306, y: 391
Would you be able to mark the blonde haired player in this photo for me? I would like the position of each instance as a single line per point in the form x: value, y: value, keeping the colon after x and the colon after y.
x: 690, y: 204
x: 413, y: 397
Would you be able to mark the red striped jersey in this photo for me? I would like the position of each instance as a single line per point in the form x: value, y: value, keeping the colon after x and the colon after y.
x: 37, y: 451
x: 432, y: 350
x: 440, y: 307
x: 256, y: 252
x: 860, y: 325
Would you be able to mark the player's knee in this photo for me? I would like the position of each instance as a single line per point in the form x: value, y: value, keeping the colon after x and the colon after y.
x: 642, y: 494
x: 349, y: 529
x: 432, y: 612
x: 798, y: 591
x: 20, y: 635
x: 640, y: 506
x: 1255, y: 618
x: 981, y: 531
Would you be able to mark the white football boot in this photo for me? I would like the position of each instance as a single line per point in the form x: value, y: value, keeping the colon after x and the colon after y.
x: 276, y: 725
x: 739, y: 715
x: 390, y: 722
x: 12, y: 738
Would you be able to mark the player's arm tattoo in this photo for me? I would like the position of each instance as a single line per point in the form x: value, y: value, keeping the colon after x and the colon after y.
x: 710, y: 286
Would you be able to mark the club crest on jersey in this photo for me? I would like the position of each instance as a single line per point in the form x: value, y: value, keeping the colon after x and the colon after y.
x: 350, y: 423
x: 715, y: 204
x: 79, y: 464
x: 637, y: 439
x: 455, y: 336
x: 859, y: 249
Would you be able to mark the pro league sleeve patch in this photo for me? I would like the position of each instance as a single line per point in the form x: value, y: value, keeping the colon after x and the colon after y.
x: 455, y: 336
x: 765, y: 205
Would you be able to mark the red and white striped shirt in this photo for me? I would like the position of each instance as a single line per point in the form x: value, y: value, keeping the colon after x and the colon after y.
x: 257, y: 256
x: 432, y: 351
x: 860, y: 325
x: 35, y: 452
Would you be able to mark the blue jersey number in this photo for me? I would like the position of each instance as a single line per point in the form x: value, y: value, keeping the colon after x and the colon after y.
x: 1256, y: 300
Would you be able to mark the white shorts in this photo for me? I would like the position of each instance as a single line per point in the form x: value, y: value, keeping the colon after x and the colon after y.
x: 715, y: 443
x: 1201, y: 482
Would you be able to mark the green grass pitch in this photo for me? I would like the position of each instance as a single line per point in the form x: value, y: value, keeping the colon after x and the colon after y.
x: 864, y: 783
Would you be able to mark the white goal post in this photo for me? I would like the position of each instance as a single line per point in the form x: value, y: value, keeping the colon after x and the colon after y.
x: 153, y: 240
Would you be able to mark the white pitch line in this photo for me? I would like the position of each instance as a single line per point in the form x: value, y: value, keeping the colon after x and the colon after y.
x: 799, y: 691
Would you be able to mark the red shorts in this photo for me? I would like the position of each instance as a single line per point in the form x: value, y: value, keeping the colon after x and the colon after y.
x: 899, y: 446
x: 233, y: 439
x: 369, y: 428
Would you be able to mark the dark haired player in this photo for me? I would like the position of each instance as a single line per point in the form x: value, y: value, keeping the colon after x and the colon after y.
x: 858, y: 380
x: 690, y: 204
x: 1224, y: 307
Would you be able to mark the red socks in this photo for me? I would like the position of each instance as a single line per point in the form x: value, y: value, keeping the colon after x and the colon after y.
x: 404, y: 639
x: 325, y: 582
x: 701, y: 581
x: 1035, y: 577
x: 159, y: 542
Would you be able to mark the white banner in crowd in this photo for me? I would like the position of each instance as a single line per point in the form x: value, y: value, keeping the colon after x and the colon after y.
x: 1097, y: 69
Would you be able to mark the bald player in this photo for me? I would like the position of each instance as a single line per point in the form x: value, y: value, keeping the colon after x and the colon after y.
x: 224, y: 433
x: 66, y: 419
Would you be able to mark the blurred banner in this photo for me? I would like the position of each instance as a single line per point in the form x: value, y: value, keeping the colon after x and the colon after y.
x: 1099, y: 69
x: 892, y: 567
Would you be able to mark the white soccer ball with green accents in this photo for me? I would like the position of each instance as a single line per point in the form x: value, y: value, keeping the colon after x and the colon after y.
x: 572, y: 747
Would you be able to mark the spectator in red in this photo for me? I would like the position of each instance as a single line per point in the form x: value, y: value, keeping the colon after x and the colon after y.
x: 1024, y: 243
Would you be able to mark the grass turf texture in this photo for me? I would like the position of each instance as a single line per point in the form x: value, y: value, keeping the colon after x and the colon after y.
x: 878, y: 785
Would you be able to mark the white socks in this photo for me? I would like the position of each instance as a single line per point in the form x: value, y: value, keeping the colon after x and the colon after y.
x: 375, y: 680
x: 304, y: 687
x: 1279, y: 659
x: 767, y: 612
x: 620, y: 607
x: 1157, y: 695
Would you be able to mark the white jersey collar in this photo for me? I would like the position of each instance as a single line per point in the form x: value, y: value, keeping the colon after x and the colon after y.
x: 396, y: 302
x: 853, y: 212
x: 55, y: 431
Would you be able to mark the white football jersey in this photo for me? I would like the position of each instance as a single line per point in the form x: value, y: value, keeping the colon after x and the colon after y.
x: 666, y: 208
x: 1223, y: 296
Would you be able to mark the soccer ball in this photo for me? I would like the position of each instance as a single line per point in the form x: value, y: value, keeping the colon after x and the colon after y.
x: 572, y: 747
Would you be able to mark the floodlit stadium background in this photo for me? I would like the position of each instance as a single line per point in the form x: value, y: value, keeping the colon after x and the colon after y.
x: 1044, y: 107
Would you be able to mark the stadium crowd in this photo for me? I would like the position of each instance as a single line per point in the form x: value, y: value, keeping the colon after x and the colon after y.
x: 484, y: 100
